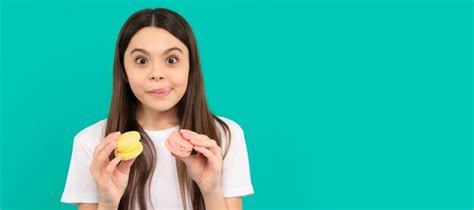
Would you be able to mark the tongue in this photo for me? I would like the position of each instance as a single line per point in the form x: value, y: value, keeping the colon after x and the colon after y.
x: 161, y: 91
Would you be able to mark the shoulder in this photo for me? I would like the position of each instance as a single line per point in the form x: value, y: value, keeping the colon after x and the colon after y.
x: 90, y: 136
x: 234, y: 139
x: 234, y: 127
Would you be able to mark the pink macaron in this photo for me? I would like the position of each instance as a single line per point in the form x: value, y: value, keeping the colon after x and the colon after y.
x: 178, y: 145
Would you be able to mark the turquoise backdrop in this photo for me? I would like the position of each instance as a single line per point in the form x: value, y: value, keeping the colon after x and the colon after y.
x: 345, y: 104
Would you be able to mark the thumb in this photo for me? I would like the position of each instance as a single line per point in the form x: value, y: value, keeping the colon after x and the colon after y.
x: 125, y: 165
x: 186, y: 160
x: 190, y: 159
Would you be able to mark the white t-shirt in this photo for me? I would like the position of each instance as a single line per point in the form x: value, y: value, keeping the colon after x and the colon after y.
x: 165, y: 193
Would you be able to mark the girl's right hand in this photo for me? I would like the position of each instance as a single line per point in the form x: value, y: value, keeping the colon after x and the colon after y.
x: 110, y: 176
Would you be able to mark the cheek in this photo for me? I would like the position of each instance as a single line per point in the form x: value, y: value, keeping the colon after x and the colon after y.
x: 135, y: 79
x: 180, y: 80
x: 136, y: 87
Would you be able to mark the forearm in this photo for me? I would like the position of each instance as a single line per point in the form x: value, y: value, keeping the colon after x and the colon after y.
x: 105, y: 207
x: 215, y: 200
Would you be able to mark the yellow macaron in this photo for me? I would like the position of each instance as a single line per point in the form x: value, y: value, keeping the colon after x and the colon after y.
x: 129, y: 145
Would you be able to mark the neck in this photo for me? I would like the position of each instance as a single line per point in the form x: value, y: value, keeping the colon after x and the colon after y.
x: 155, y: 120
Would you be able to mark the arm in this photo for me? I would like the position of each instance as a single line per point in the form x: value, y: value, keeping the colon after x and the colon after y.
x: 216, y: 201
x: 231, y: 204
x: 205, y: 169
x: 87, y: 206
x: 110, y: 175
x: 234, y: 203
x: 90, y: 206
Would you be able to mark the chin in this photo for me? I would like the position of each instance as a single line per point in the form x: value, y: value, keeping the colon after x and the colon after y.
x: 161, y: 106
x: 161, y: 109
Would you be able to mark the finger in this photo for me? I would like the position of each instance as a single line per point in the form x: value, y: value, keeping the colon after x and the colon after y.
x: 204, y: 141
x: 103, y: 155
x: 201, y: 140
x: 187, y: 131
x: 211, y: 157
x: 209, y: 144
x: 187, y: 134
x: 111, y: 166
x: 106, y: 141
x: 97, y: 163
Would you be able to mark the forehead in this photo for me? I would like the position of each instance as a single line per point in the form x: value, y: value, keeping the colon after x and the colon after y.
x: 155, y: 40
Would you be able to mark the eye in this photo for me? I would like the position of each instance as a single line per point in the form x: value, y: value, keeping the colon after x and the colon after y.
x: 172, y: 60
x: 141, y: 61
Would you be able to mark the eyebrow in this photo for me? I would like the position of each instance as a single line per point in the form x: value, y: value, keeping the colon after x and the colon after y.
x: 165, y: 52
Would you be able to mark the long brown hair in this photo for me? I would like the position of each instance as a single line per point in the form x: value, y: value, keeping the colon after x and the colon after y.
x: 193, y: 111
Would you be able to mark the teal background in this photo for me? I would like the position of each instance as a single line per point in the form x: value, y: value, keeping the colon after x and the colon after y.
x: 345, y: 104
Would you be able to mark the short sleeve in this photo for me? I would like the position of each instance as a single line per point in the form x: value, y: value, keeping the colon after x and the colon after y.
x: 80, y: 186
x: 236, y: 179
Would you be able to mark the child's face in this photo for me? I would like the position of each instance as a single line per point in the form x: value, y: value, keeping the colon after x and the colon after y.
x: 155, y: 59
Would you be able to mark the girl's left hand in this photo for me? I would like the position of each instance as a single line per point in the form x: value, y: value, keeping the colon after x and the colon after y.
x: 205, y: 168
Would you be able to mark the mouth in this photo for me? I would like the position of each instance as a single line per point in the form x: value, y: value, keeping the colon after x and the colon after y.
x: 160, y: 92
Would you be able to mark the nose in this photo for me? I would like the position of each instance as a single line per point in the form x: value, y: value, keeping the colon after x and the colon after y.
x: 157, y: 78
x: 156, y: 74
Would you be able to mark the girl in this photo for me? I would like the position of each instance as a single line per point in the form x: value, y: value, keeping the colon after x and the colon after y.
x: 158, y: 90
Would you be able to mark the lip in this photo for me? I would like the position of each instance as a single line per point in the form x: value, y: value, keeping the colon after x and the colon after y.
x: 161, y: 92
